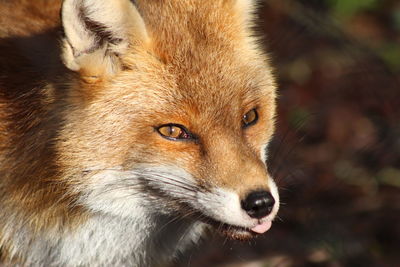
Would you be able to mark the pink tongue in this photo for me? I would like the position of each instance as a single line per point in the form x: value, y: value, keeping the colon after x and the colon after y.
x: 262, y: 228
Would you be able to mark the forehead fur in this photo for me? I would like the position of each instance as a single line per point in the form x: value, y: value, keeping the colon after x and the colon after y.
x: 208, y: 48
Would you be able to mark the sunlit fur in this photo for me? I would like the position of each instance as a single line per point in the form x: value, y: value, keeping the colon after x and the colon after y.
x: 85, y: 177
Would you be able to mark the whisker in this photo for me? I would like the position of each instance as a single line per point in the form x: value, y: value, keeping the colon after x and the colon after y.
x: 279, y: 218
x: 290, y: 151
x: 176, y: 218
x: 185, y: 185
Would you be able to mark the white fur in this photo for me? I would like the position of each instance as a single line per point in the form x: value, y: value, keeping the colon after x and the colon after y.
x: 79, y: 37
x: 107, y: 240
x: 130, y: 227
x: 114, y: 191
x: 275, y: 194
x: 224, y: 206
x: 263, y: 153
x: 120, y: 18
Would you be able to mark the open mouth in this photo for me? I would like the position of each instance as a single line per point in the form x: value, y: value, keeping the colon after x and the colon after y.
x: 238, y: 232
x: 231, y: 231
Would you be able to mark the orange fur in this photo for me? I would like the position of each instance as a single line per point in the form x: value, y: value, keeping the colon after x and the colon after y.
x: 196, y: 64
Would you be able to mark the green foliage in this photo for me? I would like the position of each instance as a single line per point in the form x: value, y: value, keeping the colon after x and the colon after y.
x: 389, y: 176
x: 347, y: 8
x: 390, y: 53
x: 396, y: 18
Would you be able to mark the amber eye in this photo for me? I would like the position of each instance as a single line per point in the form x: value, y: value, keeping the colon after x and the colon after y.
x: 249, y: 118
x: 174, y: 132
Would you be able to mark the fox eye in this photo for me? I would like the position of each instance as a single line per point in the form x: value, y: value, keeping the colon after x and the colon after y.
x: 174, y: 132
x: 249, y: 118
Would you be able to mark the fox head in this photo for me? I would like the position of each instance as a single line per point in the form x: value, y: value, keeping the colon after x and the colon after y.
x: 170, y: 108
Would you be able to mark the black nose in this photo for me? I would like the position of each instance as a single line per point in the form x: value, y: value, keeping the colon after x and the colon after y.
x: 258, y: 204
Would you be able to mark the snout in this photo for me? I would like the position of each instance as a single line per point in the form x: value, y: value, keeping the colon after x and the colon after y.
x: 241, y: 215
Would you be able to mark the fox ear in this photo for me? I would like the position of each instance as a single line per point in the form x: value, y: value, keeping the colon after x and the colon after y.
x: 98, y: 33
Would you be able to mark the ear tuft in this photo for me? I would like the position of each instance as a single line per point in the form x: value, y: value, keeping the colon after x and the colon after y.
x: 97, y: 33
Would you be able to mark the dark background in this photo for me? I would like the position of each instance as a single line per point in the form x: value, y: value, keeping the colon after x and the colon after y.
x: 336, y: 154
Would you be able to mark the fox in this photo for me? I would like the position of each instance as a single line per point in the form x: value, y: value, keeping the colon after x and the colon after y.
x: 130, y: 129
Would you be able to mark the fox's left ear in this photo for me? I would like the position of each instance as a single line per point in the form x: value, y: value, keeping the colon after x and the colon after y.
x: 98, y: 33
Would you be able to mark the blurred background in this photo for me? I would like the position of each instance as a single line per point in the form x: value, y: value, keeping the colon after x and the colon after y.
x: 336, y: 154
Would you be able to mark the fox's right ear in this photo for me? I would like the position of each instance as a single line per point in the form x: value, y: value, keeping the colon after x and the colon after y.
x: 98, y: 33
